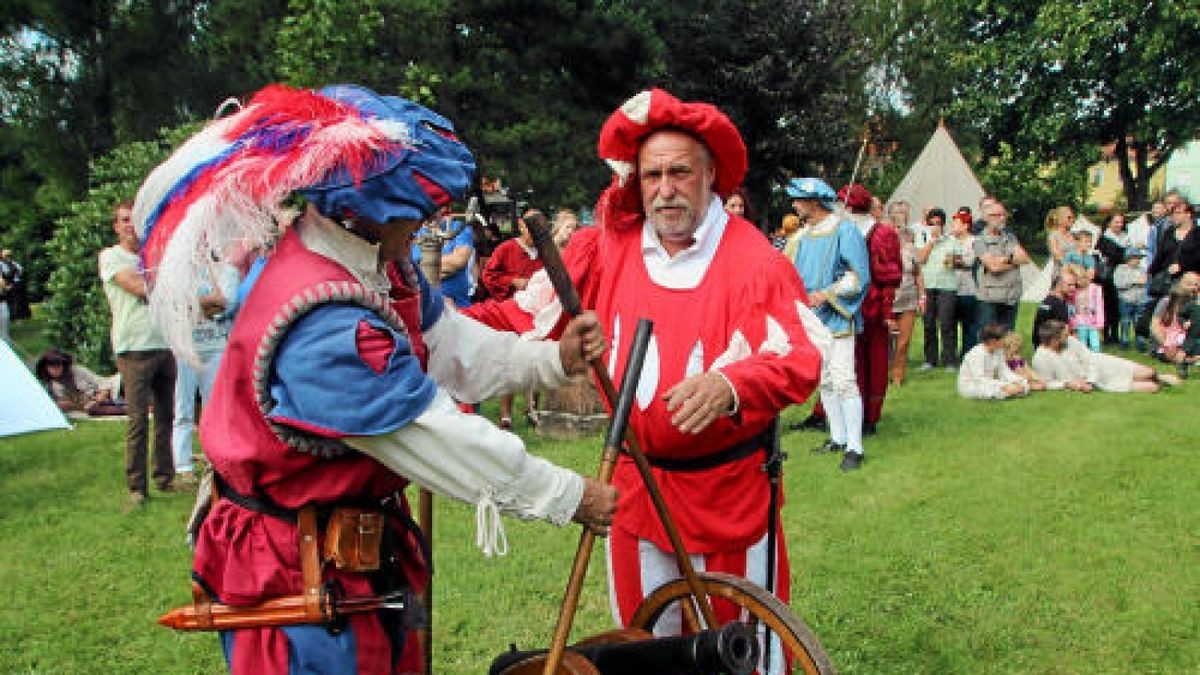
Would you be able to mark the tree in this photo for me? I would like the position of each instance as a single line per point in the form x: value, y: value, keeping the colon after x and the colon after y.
x: 1063, y: 79
x: 530, y: 101
x: 789, y: 74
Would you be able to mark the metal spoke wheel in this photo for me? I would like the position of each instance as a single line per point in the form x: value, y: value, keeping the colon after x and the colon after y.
x: 757, y: 605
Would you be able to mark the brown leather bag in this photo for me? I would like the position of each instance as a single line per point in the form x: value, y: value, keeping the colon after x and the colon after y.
x: 353, y: 538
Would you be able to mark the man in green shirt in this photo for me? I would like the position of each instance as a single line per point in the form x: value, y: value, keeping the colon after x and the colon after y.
x: 147, y: 367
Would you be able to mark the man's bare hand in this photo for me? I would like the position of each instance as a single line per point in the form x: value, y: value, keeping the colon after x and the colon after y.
x: 816, y: 299
x: 520, y: 283
x: 698, y: 401
x: 1013, y: 389
x: 581, y: 342
x: 596, y: 508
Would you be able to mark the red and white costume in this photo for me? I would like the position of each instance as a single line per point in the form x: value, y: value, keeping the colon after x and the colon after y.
x: 729, y: 303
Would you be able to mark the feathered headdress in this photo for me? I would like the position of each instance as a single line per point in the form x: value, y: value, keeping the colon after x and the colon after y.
x: 346, y: 149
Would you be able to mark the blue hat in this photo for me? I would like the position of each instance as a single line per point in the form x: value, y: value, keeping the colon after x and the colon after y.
x: 407, y: 182
x: 811, y: 188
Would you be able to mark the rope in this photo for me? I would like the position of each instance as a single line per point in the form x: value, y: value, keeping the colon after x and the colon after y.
x: 489, y: 529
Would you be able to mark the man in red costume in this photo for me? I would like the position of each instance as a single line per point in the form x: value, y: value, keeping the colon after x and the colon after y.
x: 730, y: 348
x: 335, y: 388
x: 871, y: 347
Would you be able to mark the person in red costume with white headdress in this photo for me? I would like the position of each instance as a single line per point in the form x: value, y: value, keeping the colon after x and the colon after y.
x: 335, y: 388
x: 731, y: 345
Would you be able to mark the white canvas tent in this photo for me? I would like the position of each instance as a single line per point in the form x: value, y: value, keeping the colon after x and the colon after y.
x: 939, y: 178
x: 24, y: 405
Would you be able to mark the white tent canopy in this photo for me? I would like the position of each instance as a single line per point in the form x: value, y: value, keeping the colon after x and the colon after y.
x: 24, y: 405
x: 939, y: 178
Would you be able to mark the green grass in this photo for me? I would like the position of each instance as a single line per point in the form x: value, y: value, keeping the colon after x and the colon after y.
x: 1052, y: 534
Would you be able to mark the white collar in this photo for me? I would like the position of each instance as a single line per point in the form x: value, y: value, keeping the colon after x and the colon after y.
x: 826, y: 225
x: 703, y: 238
x: 360, y: 257
x: 530, y: 251
x: 686, y: 269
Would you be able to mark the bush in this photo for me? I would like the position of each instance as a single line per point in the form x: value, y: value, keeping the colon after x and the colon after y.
x: 76, y: 310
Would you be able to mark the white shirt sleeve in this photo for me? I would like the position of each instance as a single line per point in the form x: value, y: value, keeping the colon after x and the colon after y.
x: 847, y: 285
x: 467, y: 458
x: 474, y: 362
x: 1046, y: 363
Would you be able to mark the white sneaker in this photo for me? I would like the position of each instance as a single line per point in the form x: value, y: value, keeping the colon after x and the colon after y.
x: 926, y: 367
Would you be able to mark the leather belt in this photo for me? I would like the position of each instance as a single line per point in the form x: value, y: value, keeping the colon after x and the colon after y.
x: 731, y: 454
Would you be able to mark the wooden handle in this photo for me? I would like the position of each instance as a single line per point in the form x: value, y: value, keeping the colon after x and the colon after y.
x: 616, y: 434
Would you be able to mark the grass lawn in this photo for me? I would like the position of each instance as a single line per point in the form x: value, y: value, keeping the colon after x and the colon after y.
x: 1053, y: 534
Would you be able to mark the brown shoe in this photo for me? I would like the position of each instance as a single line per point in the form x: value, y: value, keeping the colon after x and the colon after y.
x: 135, y: 501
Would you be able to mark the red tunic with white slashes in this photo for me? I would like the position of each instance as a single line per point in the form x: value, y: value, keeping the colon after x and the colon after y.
x: 743, y: 316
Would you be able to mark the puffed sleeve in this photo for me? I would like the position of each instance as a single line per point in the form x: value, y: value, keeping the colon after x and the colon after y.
x: 341, y: 370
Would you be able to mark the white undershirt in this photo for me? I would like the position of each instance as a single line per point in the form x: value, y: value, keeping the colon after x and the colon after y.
x: 685, y: 270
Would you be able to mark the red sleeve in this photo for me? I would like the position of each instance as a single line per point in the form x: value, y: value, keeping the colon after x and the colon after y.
x: 579, y: 257
x: 768, y: 381
x: 886, y: 267
x: 887, y: 270
x: 497, y: 276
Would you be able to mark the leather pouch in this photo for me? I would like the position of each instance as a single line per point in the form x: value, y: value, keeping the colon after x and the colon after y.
x: 353, y: 538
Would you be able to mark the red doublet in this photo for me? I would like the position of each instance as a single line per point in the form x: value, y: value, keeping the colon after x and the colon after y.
x: 743, y: 309
x: 509, y: 261
x: 245, y: 557
x: 871, y: 356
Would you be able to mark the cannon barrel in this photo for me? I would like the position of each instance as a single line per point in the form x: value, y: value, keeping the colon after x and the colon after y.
x: 731, y: 649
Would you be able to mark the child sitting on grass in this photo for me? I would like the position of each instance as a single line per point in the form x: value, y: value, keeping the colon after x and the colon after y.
x: 1171, y: 327
x: 1011, y: 343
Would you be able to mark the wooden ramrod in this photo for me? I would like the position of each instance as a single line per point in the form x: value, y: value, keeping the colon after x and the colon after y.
x: 731, y: 648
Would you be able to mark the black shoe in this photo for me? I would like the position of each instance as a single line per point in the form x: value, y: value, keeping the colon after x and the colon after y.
x: 1182, y: 369
x: 851, y: 461
x: 812, y: 422
x: 829, y: 446
x: 868, y: 429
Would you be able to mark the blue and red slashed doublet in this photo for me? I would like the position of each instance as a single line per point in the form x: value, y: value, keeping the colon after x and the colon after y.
x: 741, y: 319
x: 305, y: 351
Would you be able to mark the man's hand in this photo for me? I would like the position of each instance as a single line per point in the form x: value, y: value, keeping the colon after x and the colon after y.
x: 1013, y: 389
x: 698, y: 401
x: 520, y: 283
x: 816, y: 299
x: 581, y: 342
x: 1080, y: 385
x: 596, y: 508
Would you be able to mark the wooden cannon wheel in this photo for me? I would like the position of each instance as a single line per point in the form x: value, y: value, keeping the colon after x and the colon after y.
x: 756, y: 603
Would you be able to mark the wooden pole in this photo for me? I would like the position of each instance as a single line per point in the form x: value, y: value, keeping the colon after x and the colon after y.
x: 612, y: 447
